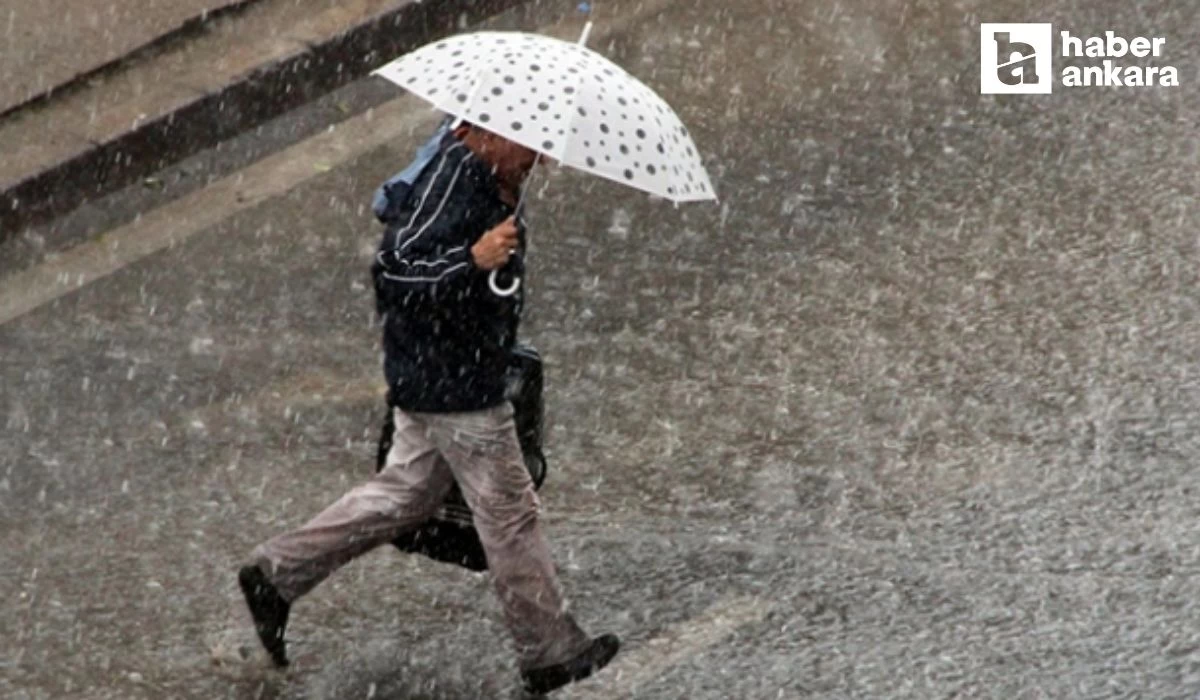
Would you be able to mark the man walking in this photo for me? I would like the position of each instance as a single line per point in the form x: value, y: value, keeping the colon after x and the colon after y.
x: 447, y: 339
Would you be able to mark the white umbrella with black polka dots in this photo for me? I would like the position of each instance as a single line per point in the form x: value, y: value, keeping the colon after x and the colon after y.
x: 563, y: 100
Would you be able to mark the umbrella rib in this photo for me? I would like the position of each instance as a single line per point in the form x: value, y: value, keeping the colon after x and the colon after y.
x: 479, y: 81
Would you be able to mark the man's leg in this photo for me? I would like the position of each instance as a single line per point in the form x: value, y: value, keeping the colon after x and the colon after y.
x: 485, y: 457
x: 403, y: 495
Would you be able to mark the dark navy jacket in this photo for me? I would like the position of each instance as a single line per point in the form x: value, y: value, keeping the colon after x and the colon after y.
x: 446, y: 336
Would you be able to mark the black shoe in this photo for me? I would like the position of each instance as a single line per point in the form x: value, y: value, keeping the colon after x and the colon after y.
x: 269, y: 610
x: 594, y: 658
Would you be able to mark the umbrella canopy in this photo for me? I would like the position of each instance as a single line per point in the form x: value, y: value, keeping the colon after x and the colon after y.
x: 562, y: 100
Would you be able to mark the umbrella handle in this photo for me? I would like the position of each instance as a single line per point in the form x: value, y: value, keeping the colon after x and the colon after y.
x: 503, y: 292
x: 587, y: 30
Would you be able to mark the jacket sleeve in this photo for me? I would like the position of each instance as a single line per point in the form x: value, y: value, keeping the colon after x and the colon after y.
x: 428, y: 252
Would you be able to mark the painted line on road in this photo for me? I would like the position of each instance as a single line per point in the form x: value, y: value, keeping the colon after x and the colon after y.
x: 271, y: 177
x: 178, y: 221
x: 637, y: 667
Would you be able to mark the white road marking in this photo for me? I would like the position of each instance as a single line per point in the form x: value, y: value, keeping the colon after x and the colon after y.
x: 635, y: 667
x: 178, y: 221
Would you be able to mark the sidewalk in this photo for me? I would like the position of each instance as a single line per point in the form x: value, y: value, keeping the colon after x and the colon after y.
x: 49, y: 44
x: 191, y: 84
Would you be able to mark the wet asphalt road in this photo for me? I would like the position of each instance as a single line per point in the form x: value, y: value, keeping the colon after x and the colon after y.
x: 912, y: 413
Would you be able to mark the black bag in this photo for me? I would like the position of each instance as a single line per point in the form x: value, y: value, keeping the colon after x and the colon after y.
x: 449, y: 536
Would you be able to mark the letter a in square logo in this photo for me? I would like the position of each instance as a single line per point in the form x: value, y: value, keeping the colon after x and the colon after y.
x: 1015, y: 59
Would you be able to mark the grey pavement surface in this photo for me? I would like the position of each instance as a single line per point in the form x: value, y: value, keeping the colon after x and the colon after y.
x: 47, y: 43
x: 912, y: 413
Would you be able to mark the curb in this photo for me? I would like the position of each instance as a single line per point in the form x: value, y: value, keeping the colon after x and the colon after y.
x: 188, y: 28
x: 252, y: 99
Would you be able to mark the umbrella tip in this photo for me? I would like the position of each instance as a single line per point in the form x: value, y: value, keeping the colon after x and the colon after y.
x: 587, y: 31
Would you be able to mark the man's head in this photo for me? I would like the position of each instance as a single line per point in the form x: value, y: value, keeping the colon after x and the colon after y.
x: 510, y: 160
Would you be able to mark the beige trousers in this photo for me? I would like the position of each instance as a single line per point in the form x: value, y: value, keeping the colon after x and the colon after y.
x: 430, y: 451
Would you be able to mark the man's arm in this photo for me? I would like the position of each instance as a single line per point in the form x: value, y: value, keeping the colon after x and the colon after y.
x: 426, y: 254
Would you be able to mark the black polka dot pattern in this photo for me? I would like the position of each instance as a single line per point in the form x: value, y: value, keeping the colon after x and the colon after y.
x: 564, y: 100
